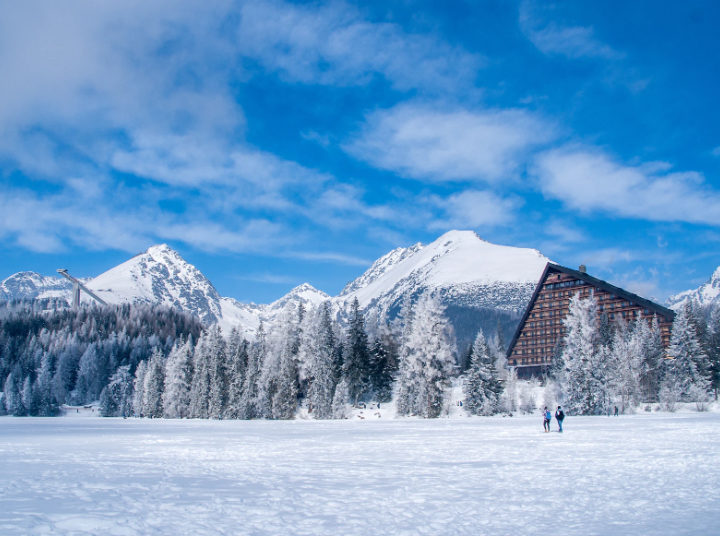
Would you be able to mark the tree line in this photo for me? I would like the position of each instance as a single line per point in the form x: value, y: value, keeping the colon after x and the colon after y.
x: 153, y: 361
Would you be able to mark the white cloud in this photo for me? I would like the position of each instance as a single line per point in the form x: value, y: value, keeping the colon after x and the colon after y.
x: 474, y: 209
x: 589, y: 180
x: 331, y: 257
x: 552, y: 38
x: 333, y: 44
x: 429, y: 143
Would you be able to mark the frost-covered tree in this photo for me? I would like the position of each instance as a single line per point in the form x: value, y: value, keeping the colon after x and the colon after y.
x: 653, y: 355
x: 321, y: 372
x: 427, y: 361
x: 482, y: 386
x: 685, y: 378
x: 13, y: 397
x: 626, y: 357
x: 217, y: 373
x: 238, y: 355
x: 178, y: 380
x: 383, y: 367
x: 139, y: 389
x: 154, y: 384
x: 356, y: 356
x: 201, y: 380
x: 584, y: 366
x: 250, y: 394
x: 116, y: 399
x: 340, y: 400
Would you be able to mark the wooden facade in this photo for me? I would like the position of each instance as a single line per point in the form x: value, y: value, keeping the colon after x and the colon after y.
x: 541, y: 330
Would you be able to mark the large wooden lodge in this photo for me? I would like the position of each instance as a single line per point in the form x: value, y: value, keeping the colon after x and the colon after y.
x: 541, y: 329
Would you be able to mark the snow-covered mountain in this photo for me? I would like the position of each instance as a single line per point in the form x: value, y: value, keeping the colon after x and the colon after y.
x: 31, y: 285
x: 457, y: 265
x: 482, y: 284
x: 706, y: 294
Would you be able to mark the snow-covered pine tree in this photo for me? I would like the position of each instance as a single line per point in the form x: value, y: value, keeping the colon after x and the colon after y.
x: 116, y: 399
x: 627, y: 352
x: 178, y: 379
x: 684, y: 379
x: 714, y: 348
x: 383, y: 367
x: 238, y: 354
x: 256, y: 357
x: 88, y: 388
x: 428, y: 360
x: 218, y: 374
x: 139, y: 389
x: 340, y: 400
x: 584, y: 375
x: 653, y: 355
x: 200, y: 386
x: 322, y: 374
x: 154, y: 385
x: 356, y: 356
x: 482, y: 386
x: 285, y: 396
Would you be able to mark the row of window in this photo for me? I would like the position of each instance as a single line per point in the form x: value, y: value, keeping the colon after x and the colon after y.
x: 565, y: 284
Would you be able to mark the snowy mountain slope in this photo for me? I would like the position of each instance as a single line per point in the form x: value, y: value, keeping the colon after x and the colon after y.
x: 704, y: 295
x: 160, y: 275
x: 459, y: 265
x: 31, y: 285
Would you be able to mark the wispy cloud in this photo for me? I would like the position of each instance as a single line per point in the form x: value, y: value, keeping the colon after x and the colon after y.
x: 553, y: 38
x: 589, y: 180
x: 334, y: 45
x: 436, y: 143
x: 330, y: 257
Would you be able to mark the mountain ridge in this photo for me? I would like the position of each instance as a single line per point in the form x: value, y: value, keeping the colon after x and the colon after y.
x: 465, y: 271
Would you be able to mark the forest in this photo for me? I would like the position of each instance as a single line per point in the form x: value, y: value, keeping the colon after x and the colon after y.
x: 153, y: 361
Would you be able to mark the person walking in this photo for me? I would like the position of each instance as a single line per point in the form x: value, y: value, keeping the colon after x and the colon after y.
x: 616, y: 411
x: 547, y: 417
x: 560, y: 417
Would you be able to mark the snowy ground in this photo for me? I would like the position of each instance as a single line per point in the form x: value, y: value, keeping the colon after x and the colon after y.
x: 644, y: 474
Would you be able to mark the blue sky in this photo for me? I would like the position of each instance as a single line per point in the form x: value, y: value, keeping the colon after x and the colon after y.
x: 274, y: 143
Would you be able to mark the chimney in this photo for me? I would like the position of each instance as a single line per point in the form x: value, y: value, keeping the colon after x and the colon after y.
x: 582, y: 269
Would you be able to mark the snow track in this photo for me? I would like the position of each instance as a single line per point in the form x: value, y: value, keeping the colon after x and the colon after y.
x: 644, y: 474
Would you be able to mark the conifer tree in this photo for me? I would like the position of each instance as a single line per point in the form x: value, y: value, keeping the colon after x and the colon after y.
x: 154, y: 385
x: 428, y: 360
x: 238, y: 352
x: 200, y: 387
x: 581, y: 359
x: 482, y: 387
x: 139, y: 389
x: 322, y: 374
x: 340, y: 400
x: 116, y: 399
x: 356, y: 357
x: 250, y: 394
x: 684, y: 378
x: 383, y: 367
x: 178, y: 380
x: 218, y: 374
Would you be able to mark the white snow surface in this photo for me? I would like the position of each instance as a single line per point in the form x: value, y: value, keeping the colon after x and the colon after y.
x: 704, y: 295
x: 649, y: 474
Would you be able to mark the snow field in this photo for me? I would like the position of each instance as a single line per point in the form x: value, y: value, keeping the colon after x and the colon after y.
x: 642, y: 474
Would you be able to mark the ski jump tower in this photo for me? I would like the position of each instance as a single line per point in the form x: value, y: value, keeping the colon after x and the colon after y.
x: 77, y: 287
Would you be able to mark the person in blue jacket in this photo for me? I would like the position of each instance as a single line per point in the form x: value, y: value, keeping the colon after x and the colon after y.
x: 547, y: 417
x: 560, y: 416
